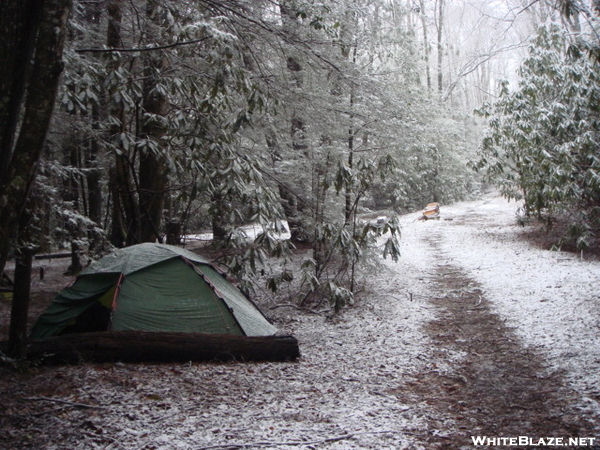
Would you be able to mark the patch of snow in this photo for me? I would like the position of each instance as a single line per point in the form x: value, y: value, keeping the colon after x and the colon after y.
x: 249, y: 232
x: 550, y: 298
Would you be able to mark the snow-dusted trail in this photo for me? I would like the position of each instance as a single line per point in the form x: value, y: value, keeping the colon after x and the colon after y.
x: 510, y: 316
x: 550, y: 298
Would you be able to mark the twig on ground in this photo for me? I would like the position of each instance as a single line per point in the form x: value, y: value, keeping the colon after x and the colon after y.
x: 299, y: 308
x: 398, y: 298
x: 64, y: 402
x: 428, y: 297
x: 34, y: 414
x: 184, y: 410
x: 295, y: 443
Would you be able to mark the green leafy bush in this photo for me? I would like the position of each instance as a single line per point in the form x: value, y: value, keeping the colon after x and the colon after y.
x: 542, y: 144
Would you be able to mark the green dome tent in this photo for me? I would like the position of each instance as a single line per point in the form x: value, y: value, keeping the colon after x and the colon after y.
x: 153, y: 288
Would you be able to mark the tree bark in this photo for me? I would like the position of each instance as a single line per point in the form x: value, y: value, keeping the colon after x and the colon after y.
x: 19, y: 22
x: 37, y: 106
x: 153, y: 166
x: 94, y: 171
x: 298, y: 125
x: 71, y: 193
x: 440, y: 46
x: 17, y: 332
x: 218, y: 213
x: 94, y: 175
x: 20, y: 304
x: 125, y: 211
x: 292, y: 209
x: 125, y: 204
x: 139, y: 346
x: 425, y: 44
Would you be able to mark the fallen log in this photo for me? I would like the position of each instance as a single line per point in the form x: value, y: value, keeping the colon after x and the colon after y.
x: 163, y: 347
x: 54, y: 255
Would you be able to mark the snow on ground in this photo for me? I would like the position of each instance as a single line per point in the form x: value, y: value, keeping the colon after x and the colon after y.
x: 343, y: 392
x: 280, y: 232
x: 550, y: 298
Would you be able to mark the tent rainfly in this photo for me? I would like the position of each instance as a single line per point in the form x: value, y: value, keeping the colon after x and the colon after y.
x: 152, y: 288
x: 154, y: 303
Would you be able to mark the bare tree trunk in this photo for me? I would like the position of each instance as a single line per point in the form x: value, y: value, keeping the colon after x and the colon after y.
x: 125, y: 216
x: 218, y: 213
x: 20, y: 304
x: 44, y: 56
x: 349, y: 194
x: 153, y: 167
x: 425, y: 44
x: 349, y: 52
x: 117, y: 234
x: 17, y: 332
x: 292, y: 209
x: 440, y: 45
x: 71, y: 194
x: 94, y: 174
x: 93, y: 171
x: 19, y: 23
x: 298, y: 126
x: 125, y: 202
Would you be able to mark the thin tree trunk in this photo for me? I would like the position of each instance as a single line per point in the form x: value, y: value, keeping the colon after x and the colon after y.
x: 218, y: 213
x: 440, y: 45
x: 292, y: 209
x: 351, y: 131
x: 93, y: 174
x: 125, y: 202
x: 70, y: 194
x: 20, y: 305
x: 117, y: 234
x: 17, y: 332
x: 425, y: 44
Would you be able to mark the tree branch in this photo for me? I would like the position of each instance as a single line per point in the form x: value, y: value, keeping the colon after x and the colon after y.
x: 474, y: 63
x: 140, y: 49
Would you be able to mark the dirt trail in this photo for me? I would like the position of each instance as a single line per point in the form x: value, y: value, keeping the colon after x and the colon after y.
x: 494, y: 387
